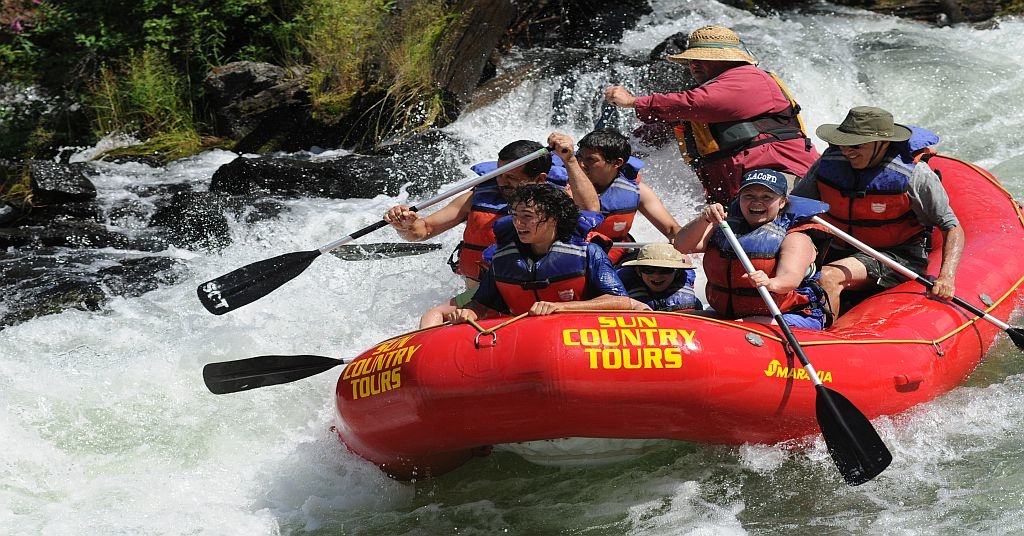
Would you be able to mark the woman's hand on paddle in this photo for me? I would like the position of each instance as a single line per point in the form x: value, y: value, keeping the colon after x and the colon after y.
x: 943, y: 287
x: 461, y: 316
x: 400, y: 217
x: 759, y: 279
x: 713, y: 213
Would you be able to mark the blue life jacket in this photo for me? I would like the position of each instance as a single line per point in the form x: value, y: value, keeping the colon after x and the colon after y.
x: 677, y: 297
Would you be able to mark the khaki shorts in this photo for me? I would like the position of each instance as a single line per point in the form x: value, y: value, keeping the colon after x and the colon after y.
x: 913, y: 257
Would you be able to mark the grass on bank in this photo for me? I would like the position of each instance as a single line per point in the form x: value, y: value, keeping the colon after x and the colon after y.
x: 376, y: 47
x: 144, y: 96
x: 355, y: 48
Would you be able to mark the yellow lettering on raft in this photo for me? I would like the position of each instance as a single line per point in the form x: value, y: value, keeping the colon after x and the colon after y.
x: 775, y: 369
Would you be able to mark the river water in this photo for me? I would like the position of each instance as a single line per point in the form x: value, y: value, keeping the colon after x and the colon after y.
x: 107, y: 427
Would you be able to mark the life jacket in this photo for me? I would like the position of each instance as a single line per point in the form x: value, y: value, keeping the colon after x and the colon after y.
x: 619, y: 203
x: 677, y: 297
x: 701, y: 142
x: 730, y: 294
x: 873, y: 204
x: 486, y: 206
x: 558, y: 276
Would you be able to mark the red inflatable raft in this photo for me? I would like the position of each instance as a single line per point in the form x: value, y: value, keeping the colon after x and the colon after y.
x: 424, y: 402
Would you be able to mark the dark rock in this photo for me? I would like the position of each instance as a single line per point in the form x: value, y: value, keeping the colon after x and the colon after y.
x: 50, y: 280
x: 194, y: 220
x: 420, y: 160
x: 938, y: 12
x: 9, y: 214
x: 246, y: 94
x: 44, y: 214
x: 71, y: 234
x: 54, y: 183
x: 576, y: 24
x: 136, y: 276
x: 673, y: 44
x: 467, y: 45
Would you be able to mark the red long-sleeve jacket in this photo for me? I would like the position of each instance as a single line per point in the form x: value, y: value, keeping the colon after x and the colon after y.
x: 740, y: 93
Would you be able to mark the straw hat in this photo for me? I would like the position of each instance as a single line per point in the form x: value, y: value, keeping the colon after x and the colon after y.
x: 661, y: 255
x: 713, y: 43
x: 864, y: 124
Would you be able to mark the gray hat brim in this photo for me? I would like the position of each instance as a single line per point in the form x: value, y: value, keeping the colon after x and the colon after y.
x: 831, y: 134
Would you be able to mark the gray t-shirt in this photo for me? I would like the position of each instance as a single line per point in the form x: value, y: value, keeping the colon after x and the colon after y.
x: 928, y: 199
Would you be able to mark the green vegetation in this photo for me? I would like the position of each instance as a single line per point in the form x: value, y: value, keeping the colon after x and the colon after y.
x: 147, y: 98
x: 1011, y: 8
x: 368, y: 47
x: 17, y: 190
x: 137, y: 65
x: 412, y: 95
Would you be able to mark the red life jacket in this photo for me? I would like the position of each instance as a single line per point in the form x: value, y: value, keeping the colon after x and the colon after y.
x: 871, y: 204
x: 732, y: 295
x: 619, y: 203
x: 486, y: 206
x: 558, y: 276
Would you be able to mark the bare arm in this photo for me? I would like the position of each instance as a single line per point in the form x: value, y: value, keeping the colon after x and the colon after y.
x: 654, y: 210
x: 952, y: 248
x: 583, y: 192
x: 473, y: 311
x: 694, y: 236
x: 795, y: 255
x: 414, y: 229
x: 604, y: 301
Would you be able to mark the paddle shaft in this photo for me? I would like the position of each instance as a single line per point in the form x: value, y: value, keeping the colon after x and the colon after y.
x: 856, y: 449
x: 772, y: 306
x: 440, y: 197
x: 903, y: 270
x: 253, y: 281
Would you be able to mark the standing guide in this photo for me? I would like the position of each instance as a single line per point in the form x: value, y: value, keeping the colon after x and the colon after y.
x: 739, y: 118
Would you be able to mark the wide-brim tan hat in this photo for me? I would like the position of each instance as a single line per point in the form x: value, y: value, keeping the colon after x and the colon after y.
x: 661, y: 255
x: 864, y: 124
x: 713, y: 43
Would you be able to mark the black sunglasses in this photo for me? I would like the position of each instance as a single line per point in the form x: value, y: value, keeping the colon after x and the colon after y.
x: 655, y: 270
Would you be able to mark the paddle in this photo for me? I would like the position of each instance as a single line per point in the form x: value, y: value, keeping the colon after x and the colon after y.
x: 245, y: 374
x: 383, y: 250
x: 1016, y: 334
x: 250, y: 283
x: 855, y: 446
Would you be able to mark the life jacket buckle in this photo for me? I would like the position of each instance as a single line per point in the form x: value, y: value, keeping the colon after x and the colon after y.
x: 535, y: 285
x: 453, y: 259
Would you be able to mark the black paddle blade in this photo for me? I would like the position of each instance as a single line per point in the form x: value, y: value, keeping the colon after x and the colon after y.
x: 383, y: 250
x: 252, y: 282
x: 254, y: 372
x: 855, y: 446
x: 1017, y: 336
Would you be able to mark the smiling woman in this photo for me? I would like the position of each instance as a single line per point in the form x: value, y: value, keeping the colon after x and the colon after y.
x: 764, y: 219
